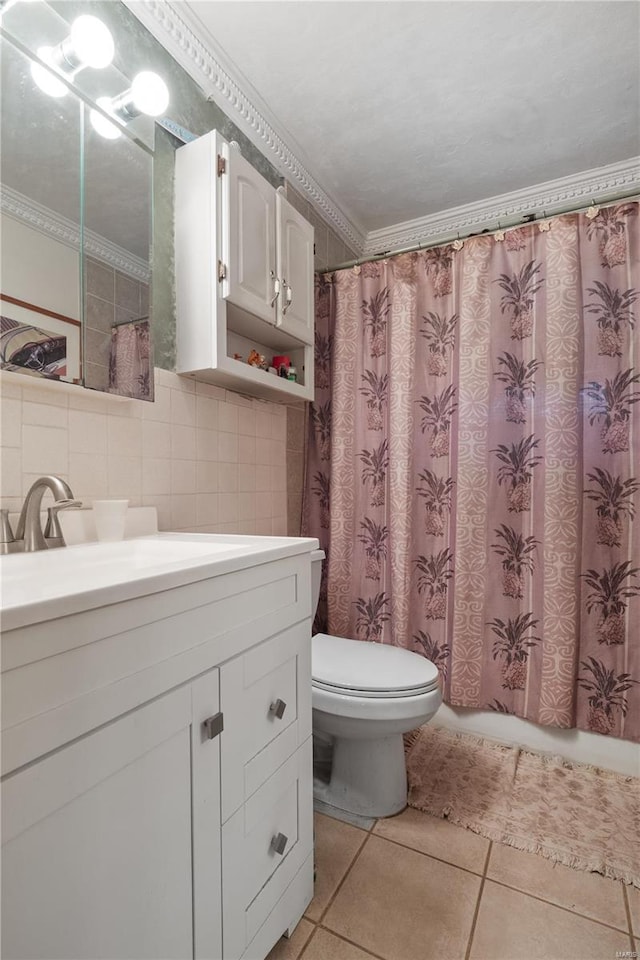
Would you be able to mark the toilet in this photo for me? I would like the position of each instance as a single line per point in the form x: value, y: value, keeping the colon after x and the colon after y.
x: 365, y: 696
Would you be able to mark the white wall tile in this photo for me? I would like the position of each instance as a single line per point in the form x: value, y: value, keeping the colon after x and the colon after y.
x: 279, y: 427
x: 247, y: 421
x: 183, y: 408
x: 11, y: 422
x: 183, y: 511
x: 263, y: 423
x: 263, y: 477
x: 227, y: 477
x: 44, y: 415
x: 206, y: 508
x: 124, y: 437
x: 206, y: 413
x: 209, y: 390
x: 246, y: 449
x: 247, y: 505
x: 44, y: 449
x: 263, y: 504
x: 228, y: 447
x: 206, y: 445
x: 10, y: 472
x: 279, y: 477
x: 227, y: 417
x: 87, y: 432
x: 88, y: 476
x: 263, y: 450
x: 206, y: 476
x: 228, y: 506
x: 247, y: 476
x: 156, y: 439
x: 183, y: 442
x: 33, y: 392
x: 125, y: 477
x: 183, y: 476
x: 156, y: 476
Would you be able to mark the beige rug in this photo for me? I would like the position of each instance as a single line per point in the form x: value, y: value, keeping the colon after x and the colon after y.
x: 578, y: 815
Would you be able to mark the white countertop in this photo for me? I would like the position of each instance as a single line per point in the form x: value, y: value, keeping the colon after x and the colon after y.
x: 47, y: 584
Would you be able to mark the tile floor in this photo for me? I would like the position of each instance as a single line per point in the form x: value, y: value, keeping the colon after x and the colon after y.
x: 416, y: 888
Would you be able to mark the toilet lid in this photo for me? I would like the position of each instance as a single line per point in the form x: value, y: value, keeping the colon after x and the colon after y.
x: 362, y: 669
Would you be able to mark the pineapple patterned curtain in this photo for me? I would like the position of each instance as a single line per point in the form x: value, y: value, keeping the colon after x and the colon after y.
x: 474, y: 465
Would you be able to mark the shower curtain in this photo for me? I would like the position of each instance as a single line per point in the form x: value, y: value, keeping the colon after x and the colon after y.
x: 473, y: 465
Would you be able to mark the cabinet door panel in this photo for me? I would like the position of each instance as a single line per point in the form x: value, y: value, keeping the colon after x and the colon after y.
x: 295, y: 267
x: 96, y: 859
x: 251, y: 258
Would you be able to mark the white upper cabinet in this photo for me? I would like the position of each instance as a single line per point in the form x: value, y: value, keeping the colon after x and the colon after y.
x: 251, y: 239
x: 244, y: 274
x: 295, y: 270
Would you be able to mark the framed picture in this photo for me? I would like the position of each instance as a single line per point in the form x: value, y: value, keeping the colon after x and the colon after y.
x: 39, y: 342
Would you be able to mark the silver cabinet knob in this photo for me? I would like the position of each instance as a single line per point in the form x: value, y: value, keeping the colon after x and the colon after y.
x: 277, y: 709
x: 278, y: 843
x: 213, y: 726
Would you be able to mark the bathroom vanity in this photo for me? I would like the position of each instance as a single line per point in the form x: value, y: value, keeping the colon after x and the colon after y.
x: 156, y: 747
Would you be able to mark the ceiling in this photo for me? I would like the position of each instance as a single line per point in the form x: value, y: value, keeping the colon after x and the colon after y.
x: 403, y: 109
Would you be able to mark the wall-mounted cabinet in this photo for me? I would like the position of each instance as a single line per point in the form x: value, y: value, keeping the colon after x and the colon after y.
x: 244, y: 273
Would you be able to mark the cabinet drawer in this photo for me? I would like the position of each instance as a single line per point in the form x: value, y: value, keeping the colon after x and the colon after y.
x: 254, y: 874
x: 257, y: 739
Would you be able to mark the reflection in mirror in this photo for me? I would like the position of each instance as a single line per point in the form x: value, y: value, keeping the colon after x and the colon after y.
x: 41, y: 200
x: 117, y: 235
x: 67, y: 190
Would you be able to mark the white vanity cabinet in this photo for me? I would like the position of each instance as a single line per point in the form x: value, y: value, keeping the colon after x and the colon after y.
x: 156, y: 795
x: 244, y: 273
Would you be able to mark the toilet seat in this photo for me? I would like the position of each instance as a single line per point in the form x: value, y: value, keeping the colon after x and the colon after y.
x: 361, y: 669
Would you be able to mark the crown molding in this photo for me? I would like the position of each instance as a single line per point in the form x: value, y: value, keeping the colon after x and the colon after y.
x: 172, y: 24
x: 173, y: 27
x: 600, y: 184
x: 39, y: 217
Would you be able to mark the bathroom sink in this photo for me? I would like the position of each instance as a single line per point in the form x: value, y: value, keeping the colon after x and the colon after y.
x: 47, y: 583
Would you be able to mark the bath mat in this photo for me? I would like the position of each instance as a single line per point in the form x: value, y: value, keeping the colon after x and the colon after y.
x: 578, y: 815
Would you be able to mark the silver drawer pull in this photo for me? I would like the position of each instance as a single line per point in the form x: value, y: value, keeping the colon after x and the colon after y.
x: 278, y: 708
x: 213, y: 726
x: 278, y: 843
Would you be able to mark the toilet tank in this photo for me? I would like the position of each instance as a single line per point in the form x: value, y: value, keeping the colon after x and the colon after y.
x: 317, y: 556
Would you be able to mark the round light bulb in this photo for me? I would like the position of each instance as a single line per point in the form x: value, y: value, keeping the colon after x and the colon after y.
x: 149, y: 93
x: 45, y: 78
x: 92, y: 42
x: 101, y: 125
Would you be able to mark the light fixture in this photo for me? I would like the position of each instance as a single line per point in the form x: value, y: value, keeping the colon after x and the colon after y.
x: 89, y: 44
x: 148, y: 94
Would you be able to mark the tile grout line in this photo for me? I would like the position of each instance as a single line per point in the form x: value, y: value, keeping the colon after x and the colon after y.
x: 477, y: 908
x: 431, y: 856
x: 342, y: 882
x: 508, y: 886
x: 352, y: 943
x: 627, y: 907
x: 559, y: 906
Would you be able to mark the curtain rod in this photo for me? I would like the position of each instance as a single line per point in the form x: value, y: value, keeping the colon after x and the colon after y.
x: 522, y: 222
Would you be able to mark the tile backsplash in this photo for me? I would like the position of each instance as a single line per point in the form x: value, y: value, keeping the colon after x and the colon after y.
x: 208, y: 459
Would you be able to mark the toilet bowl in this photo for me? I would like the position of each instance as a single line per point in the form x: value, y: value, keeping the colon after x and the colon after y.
x: 365, y: 696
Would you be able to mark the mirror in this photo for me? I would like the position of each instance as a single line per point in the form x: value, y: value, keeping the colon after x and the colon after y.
x: 76, y: 219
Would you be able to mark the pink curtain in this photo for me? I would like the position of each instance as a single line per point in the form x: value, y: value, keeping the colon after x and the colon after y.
x: 473, y: 467
x: 130, y: 360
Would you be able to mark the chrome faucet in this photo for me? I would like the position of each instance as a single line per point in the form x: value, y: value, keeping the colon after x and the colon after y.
x: 29, y: 535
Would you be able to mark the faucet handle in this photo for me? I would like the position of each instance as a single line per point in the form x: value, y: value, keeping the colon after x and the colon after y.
x: 6, y: 533
x: 53, y: 531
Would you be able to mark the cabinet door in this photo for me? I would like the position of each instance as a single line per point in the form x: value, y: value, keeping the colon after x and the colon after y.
x: 97, y: 840
x: 251, y: 241
x: 295, y: 268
